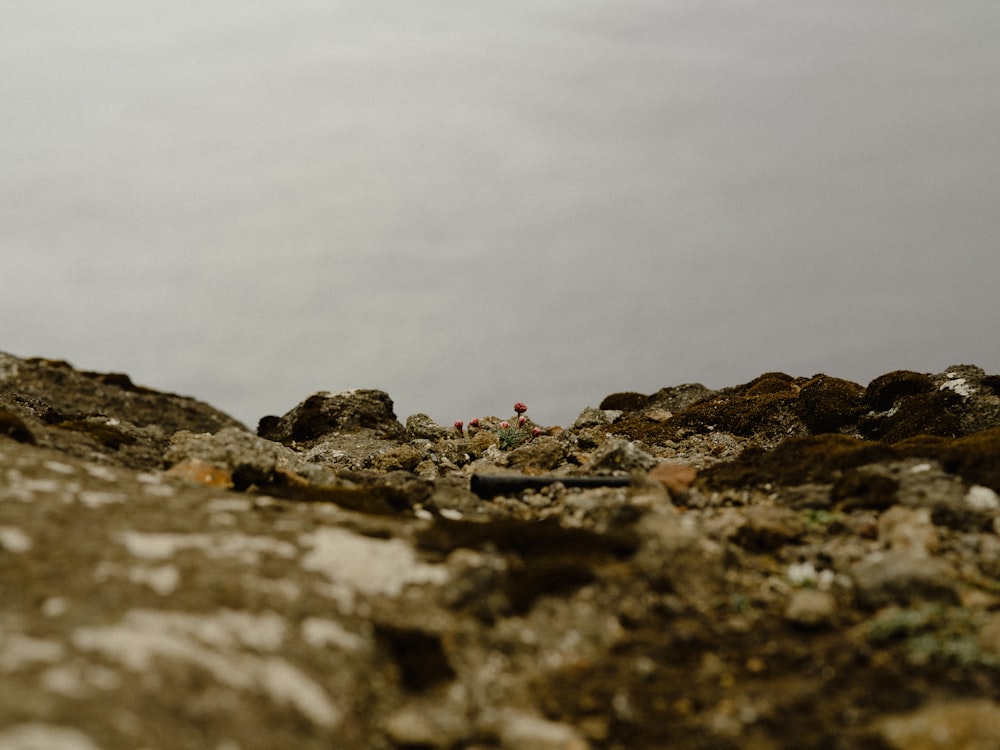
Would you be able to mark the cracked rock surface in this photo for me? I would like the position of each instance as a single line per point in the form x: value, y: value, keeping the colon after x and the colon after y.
x: 791, y: 562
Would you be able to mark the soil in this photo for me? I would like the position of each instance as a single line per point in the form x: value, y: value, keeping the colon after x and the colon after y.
x: 793, y: 562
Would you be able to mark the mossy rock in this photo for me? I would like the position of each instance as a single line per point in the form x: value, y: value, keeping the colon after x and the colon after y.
x: 626, y: 401
x: 812, y: 458
x: 975, y: 457
x: 828, y: 404
x: 885, y: 390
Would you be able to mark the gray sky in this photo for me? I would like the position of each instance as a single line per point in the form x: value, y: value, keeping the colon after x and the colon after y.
x: 473, y: 204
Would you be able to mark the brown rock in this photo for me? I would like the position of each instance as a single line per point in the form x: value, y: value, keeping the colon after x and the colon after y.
x: 326, y: 413
x: 541, y: 454
x: 199, y: 471
x: 677, y: 478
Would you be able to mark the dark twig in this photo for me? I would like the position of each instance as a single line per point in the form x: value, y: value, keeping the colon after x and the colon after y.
x: 490, y: 485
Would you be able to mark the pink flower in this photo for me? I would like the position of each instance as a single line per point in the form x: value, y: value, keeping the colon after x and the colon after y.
x: 459, y: 425
x: 521, y: 421
x: 504, y: 425
x: 474, y: 422
x: 535, y: 432
x: 520, y: 408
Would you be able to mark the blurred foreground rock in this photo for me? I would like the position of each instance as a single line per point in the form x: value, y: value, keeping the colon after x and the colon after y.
x: 793, y: 562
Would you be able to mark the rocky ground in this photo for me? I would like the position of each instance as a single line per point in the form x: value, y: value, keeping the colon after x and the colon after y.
x: 788, y: 563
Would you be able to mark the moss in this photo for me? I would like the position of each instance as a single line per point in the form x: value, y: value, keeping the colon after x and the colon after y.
x: 817, y: 517
x: 894, y: 623
x: 828, y: 404
x: 740, y: 415
x: 814, y: 458
x: 626, y: 401
x: 771, y: 382
x: 931, y: 633
x: 886, y: 389
x: 992, y: 384
x: 864, y: 489
x: 934, y: 413
x: 973, y: 457
x: 761, y: 407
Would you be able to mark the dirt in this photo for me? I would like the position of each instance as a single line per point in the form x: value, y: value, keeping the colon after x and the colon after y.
x: 790, y: 562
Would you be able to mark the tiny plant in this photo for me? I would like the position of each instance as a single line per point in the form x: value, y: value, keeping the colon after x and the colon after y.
x: 511, y: 433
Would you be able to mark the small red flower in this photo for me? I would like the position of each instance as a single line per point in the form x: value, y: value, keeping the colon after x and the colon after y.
x: 521, y: 421
x: 520, y: 408
x: 474, y: 422
x: 504, y: 425
x: 535, y: 432
x: 459, y: 425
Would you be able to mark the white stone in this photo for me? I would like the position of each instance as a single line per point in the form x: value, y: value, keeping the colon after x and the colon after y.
x: 322, y: 633
x: 96, y: 498
x: 79, y: 679
x: 100, y: 472
x: 14, y: 539
x: 228, y: 645
x: 159, y: 490
x: 18, y: 651
x: 42, y: 485
x: 958, y: 385
x: 372, y: 566
x: 523, y: 731
x: 228, y: 505
x: 247, y: 548
x: 164, y: 579
x: 59, y: 467
x: 55, y: 606
x: 39, y: 736
x: 982, y: 498
x: 801, y: 574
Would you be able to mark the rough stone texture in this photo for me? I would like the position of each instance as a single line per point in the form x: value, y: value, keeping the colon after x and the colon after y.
x: 325, y: 413
x: 99, y: 416
x: 797, y: 562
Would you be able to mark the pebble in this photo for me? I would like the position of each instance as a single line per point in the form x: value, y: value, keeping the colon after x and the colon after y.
x: 14, y: 539
x: 523, y: 731
x: 619, y: 454
x: 982, y: 498
x: 954, y: 725
x: 810, y: 608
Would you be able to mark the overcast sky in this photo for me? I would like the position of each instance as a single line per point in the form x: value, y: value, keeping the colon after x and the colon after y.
x: 472, y: 204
